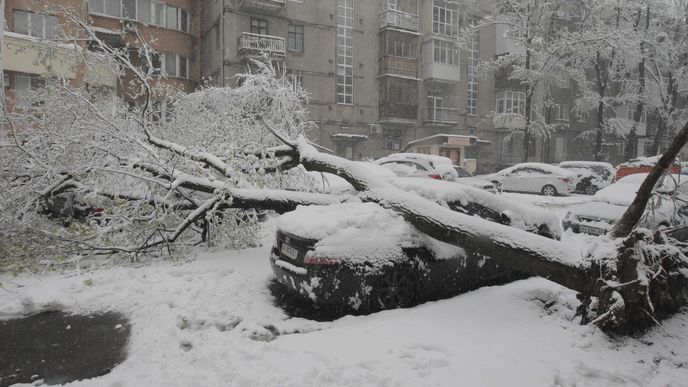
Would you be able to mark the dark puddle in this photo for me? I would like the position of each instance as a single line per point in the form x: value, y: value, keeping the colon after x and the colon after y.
x: 57, y: 347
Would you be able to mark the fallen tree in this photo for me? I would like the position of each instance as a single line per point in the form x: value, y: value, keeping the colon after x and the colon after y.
x: 165, y: 182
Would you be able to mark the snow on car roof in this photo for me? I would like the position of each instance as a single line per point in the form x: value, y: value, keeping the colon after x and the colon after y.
x: 523, y: 216
x: 435, y: 160
x: 545, y: 167
x: 575, y: 164
x: 359, y: 232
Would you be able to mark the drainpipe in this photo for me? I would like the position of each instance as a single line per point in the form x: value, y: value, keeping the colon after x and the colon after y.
x: 2, y: 67
x: 222, y: 43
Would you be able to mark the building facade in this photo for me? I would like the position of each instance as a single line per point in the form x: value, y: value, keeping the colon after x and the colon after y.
x: 383, y: 76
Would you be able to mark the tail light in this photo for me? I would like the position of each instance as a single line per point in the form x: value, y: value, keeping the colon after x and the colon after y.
x: 319, y: 261
x: 566, y: 180
x: 435, y: 176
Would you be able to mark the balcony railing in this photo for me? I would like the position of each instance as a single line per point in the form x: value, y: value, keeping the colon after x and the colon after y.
x: 441, y: 115
x: 266, y: 6
x: 396, y: 65
x: 255, y: 44
x: 398, y: 19
x: 392, y: 110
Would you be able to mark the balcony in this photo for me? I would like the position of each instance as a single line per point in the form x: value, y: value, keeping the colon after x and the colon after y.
x: 262, y: 6
x: 254, y: 45
x: 396, y: 65
x: 398, y: 19
x: 394, y: 111
x: 441, y: 115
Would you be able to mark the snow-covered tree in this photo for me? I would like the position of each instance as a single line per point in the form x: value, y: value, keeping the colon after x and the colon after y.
x: 139, y: 181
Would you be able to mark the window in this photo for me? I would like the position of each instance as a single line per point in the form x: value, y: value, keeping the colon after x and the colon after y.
x: 399, y: 44
x: 392, y: 139
x: 511, y: 102
x: 400, y: 91
x: 445, y: 18
x: 35, y: 24
x: 582, y: 116
x: 435, y: 108
x: 345, y: 52
x: 392, y: 4
x: 445, y: 52
x: 171, y: 18
x: 630, y: 113
x: 295, y: 38
x: 175, y: 65
x: 259, y: 26
x: 562, y: 112
x: 129, y: 9
x: 24, y: 89
x: 146, y: 11
x: 472, y: 85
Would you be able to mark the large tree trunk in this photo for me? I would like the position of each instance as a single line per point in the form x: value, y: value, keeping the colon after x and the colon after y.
x: 631, y: 288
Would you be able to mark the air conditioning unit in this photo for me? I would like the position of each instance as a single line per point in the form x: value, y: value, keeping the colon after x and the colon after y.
x: 375, y: 129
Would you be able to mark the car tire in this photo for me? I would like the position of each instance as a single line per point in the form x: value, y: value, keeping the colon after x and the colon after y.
x: 590, y: 190
x: 394, y: 289
x: 549, y: 190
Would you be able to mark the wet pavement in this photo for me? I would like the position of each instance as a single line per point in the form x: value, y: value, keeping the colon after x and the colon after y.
x: 57, y: 347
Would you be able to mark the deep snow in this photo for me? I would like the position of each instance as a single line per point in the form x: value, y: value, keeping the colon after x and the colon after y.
x: 212, y: 322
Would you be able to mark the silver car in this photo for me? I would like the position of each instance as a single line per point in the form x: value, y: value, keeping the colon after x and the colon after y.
x: 538, y: 178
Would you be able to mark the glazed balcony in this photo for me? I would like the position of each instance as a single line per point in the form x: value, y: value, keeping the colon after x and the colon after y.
x: 398, y: 111
x: 441, y: 115
x: 262, y: 6
x: 398, y: 19
x: 396, y: 65
x: 257, y: 45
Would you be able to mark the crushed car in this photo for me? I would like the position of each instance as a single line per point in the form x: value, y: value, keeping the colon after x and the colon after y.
x: 360, y: 257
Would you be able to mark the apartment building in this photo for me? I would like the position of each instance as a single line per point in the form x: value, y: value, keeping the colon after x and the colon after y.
x: 381, y: 73
x: 34, y: 44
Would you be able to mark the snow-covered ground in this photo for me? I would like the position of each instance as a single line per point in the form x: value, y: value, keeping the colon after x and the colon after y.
x: 212, y: 322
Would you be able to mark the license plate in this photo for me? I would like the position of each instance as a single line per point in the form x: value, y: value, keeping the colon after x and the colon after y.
x: 289, y: 251
x: 592, y: 230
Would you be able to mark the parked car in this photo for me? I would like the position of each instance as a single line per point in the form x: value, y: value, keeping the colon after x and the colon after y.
x: 361, y: 257
x: 436, y: 167
x: 545, y: 179
x: 591, y: 175
x: 643, y: 165
x: 598, y: 216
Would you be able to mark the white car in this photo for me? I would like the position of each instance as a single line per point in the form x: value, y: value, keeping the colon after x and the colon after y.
x: 540, y: 178
x: 598, y: 216
x: 436, y: 167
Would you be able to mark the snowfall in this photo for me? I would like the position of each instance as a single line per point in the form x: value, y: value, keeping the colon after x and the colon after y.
x: 212, y: 321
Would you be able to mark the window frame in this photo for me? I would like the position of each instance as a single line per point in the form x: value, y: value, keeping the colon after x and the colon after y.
x: 295, y: 37
x: 157, y: 15
x: 259, y: 25
x: 30, y: 21
x: 511, y: 99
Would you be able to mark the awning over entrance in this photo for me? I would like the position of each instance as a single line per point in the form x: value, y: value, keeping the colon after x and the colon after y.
x: 459, y: 148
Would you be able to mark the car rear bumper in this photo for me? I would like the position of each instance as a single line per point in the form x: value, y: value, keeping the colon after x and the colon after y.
x: 334, y: 285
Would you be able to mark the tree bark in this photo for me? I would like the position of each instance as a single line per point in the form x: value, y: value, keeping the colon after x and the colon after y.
x: 636, y: 210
